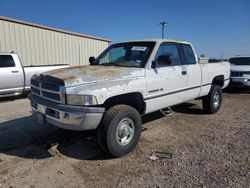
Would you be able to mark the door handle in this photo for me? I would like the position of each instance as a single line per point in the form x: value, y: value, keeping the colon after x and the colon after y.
x: 15, y: 71
x: 183, y: 72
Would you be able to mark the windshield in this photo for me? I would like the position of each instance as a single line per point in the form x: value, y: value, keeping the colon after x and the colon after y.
x: 240, y: 60
x: 130, y: 54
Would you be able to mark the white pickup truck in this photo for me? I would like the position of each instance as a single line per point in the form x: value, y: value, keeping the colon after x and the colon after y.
x: 126, y: 81
x: 14, y: 78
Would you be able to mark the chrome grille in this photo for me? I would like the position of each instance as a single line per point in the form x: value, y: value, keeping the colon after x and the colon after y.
x: 48, y: 87
x: 239, y: 74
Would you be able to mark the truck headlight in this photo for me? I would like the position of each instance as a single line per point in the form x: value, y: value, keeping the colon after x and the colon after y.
x: 85, y: 100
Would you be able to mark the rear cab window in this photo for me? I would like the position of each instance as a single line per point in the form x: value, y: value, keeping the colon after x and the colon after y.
x: 169, y: 49
x: 188, y: 54
x: 6, y: 61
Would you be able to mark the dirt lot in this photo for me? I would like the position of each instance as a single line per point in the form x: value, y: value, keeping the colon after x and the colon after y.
x: 191, y: 149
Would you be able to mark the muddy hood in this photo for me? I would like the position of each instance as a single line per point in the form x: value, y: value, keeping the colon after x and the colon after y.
x: 74, y: 76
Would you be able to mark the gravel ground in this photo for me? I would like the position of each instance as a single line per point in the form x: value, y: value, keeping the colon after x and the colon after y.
x: 187, y: 149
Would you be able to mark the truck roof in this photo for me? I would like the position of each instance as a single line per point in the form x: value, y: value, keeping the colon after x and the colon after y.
x: 159, y: 40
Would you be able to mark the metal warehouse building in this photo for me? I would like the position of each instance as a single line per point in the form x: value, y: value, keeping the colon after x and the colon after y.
x: 40, y: 45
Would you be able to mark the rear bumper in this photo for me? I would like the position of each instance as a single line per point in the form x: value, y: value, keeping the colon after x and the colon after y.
x: 239, y: 82
x: 65, y: 116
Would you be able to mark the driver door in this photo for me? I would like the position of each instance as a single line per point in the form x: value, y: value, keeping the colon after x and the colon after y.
x: 166, y: 83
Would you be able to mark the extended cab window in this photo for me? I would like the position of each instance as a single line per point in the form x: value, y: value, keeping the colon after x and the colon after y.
x: 188, y: 54
x: 171, y: 50
x: 6, y: 61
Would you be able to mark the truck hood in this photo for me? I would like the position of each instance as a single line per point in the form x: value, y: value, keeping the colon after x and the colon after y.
x: 80, y: 75
x: 240, y: 68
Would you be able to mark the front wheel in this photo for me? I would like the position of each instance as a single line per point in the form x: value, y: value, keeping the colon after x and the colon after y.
x: 212, y: 102
x: 120, y: 130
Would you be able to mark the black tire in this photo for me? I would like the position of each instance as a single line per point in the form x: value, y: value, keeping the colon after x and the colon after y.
x: 118, y: 121
x: 211, y: 104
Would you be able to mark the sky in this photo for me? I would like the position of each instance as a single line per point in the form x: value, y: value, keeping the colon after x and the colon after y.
x: 216, y: 28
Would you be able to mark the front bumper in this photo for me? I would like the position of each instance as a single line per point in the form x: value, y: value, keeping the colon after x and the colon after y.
x: 66, y: 116
x: 240, y: 82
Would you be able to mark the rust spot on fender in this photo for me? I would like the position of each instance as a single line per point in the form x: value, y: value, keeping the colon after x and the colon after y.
x: 82, y: 71
x: 68, y: 78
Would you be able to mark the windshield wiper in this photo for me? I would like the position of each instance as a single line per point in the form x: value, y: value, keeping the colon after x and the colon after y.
x: 117, y: 64
x: 111, y: 64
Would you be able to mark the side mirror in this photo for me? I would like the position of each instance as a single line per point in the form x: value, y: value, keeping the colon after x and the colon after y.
x: 164, y: 60
x: 153, y: 64
x: 91, y: 60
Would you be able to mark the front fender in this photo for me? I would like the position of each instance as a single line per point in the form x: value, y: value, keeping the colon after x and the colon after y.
x: 105, y: 90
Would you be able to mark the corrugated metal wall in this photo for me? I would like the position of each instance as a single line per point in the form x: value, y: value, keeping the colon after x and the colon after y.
x: 40, y: 46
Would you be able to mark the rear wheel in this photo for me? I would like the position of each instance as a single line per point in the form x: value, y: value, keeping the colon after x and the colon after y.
x: 120, y: 130
x: 212, y: 102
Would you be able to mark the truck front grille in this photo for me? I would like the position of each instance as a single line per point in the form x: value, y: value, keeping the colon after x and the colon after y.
x: 239, y: 74
x: 48, y: 87
x: 35, y: 90
x: 34, y: 82
x: 52, y: 87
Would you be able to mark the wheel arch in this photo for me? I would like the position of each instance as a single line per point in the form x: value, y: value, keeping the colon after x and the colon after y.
x: 218, y: 80
x: 133, y: 99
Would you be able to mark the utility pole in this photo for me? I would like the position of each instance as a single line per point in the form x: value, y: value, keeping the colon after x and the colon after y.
x: 222, y: 56
x: 163, y: 24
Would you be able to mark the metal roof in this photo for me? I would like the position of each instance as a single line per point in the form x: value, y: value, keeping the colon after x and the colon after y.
x: 51, y: 28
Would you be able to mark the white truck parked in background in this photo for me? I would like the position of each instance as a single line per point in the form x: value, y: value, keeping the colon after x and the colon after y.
x: 240, y: 72
x: 126, y: 81
x: 14, y: 78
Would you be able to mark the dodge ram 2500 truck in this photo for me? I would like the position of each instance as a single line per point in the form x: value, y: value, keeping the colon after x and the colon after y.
x: 240, y: 72
x: 126, y: 81
x: 14, y: 78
